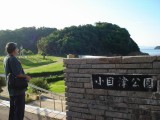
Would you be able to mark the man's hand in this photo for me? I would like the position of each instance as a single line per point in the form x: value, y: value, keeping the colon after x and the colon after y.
x: 28, y: 77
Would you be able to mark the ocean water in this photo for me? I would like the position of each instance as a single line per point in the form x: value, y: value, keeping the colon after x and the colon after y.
x: 150, y: 51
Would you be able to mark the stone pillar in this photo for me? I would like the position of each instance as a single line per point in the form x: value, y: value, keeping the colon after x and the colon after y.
x: 86, y: 103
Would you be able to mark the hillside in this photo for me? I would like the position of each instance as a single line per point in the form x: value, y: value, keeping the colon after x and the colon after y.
x: 99, y: 39
x: 27, y: 37
x: 157, y: 47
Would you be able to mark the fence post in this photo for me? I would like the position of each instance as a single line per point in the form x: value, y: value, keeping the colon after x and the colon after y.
x: 54, y: 102
x: 40, y: 100
x: 62, y: 104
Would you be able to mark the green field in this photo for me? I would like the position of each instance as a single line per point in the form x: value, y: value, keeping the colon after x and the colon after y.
x: 51, y: 68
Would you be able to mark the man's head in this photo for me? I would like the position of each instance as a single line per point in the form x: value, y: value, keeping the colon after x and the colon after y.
x: 11, y: 48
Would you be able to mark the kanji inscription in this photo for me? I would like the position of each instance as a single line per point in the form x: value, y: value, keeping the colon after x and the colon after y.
x: 124, y: 82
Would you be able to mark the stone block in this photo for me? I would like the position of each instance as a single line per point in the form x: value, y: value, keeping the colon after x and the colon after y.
x: 79, y: 80
x: 72, y: 66
x: 100, y: 118
x: 96, y: 111
x: 121, y: 71
x: 103, y: 66
x: 150, y: 107
x: 80, y: 110
x: 147, y: 65
x: 76, y: 100
x: 147, y: 71
x: 158, y: 76
x: 133, y: 106
x: 121, y: 105
x: 85, y: 66
x: 119, y: 109
x: 73, y: 118
x: 87, y: 85
x: 117, y: 71
x: 89, y: 97
x: 112, y: 71
x: 107, y: 60
x: 114, y: 99
x: 133, y: 94
x: 117, y: 119
x: 74, y: 95
x: 141, y: 117
x: 88, y: 116
x: 141, y: 111
x: 118, y: 115
x: 77, y: 105
x: 93, y: 71
x: 156, y: 65
x: 117, y: 93
x: 79, y: 75
x: 74, y: 84
x: 131, y: 71
x: 73, y: 114
x: 70, y: 70
x: 138, y: 59
x: 158, y: 58
x: 76, y: 90
x: 97, y: 106
x: 74, y: 61
x: 96, y: 91
x: 113, y: 114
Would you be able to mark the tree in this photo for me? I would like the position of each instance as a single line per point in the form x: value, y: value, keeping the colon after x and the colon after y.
x: 26, y: 37
x: 99, y: 39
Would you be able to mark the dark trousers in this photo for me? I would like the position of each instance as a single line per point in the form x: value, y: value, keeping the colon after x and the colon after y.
x: 17, y: 106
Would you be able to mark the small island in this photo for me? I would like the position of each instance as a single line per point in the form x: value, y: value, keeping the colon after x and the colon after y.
x: 157, y: 47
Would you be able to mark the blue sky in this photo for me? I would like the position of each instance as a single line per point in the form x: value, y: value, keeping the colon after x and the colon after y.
x: 140, y: 17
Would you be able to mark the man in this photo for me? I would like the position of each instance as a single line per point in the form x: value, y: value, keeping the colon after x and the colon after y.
x: 17, y: 97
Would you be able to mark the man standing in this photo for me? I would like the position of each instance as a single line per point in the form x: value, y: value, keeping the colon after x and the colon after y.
x: 17, y: 96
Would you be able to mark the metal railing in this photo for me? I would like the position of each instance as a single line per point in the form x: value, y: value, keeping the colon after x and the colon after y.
x: 50, y: 96
x: 45, y: 100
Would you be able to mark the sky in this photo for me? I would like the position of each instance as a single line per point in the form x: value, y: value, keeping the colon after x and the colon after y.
x: 140, y: 17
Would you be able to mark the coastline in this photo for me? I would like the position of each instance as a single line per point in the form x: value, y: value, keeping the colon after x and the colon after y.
x: 150, y: 50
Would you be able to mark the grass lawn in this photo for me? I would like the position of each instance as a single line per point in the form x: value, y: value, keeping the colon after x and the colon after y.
x: 34, y: 64
x: 53, y: 67
x: 1, y: 65
x: 33, y: 61
x: 57, y: 87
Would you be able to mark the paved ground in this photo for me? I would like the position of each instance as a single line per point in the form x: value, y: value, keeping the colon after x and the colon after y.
x: 28, y: 116
x: 49, y: 104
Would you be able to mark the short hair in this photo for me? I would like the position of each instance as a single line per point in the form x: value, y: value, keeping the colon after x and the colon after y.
x: 11, y: 47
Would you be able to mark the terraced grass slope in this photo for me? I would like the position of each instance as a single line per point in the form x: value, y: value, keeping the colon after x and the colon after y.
x: 50, y: 68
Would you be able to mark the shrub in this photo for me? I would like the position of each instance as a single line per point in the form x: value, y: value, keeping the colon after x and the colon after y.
x: 2, y: 83
x: 27, y: 52
x: 54, y: 78
x: 28, y: 99
x: 40, y: 82
x: 41, y: 74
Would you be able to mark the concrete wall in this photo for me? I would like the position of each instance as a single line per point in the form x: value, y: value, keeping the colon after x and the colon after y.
x: 85, y: 103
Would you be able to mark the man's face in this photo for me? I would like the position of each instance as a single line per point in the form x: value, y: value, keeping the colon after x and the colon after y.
x: 16, y: 51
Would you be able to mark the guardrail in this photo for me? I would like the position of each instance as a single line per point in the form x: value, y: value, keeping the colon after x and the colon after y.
x: 53, y: 96
x: 43, y: 94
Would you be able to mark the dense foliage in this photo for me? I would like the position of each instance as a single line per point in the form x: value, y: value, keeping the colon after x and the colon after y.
x: 27, y: 37
x: 40, y: 82
x: 99, y: 39
x: 2, y: 83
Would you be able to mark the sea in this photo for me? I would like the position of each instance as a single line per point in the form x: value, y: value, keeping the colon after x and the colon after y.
x: 150, y: 50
